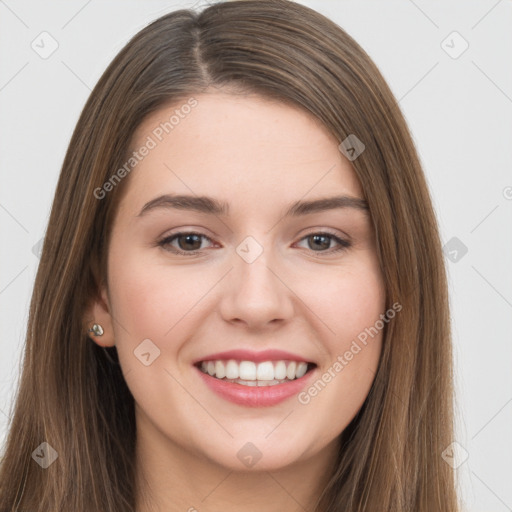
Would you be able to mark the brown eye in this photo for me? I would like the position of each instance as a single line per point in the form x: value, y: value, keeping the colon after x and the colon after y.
x: 188, y: 242
x: 321, y: 242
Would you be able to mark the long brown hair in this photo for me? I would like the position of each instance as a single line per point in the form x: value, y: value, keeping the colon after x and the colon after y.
x: 72, y: 393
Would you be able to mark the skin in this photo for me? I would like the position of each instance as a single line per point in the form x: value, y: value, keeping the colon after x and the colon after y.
x: 259, y: 156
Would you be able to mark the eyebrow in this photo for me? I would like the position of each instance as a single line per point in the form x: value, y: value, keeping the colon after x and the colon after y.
x: 210, y: 205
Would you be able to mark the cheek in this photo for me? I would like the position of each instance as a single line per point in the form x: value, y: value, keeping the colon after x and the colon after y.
x: 158, y: 303
x: 151, y: 298
x: 347, y: 299
x: 349, y: 302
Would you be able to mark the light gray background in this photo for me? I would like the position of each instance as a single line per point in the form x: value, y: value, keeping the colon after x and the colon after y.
x: 458, y: 109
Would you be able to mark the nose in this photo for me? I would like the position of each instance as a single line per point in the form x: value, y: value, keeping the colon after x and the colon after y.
x: 255, y: 293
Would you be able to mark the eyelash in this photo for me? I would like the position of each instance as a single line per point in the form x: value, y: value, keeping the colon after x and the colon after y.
x: 343, y: 244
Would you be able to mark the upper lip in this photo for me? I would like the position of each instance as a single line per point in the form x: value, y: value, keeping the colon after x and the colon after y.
x: 250, y: 355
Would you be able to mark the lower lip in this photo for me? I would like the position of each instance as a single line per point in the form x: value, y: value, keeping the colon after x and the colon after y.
x: 255, y: 396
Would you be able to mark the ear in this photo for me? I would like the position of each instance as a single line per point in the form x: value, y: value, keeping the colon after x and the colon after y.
x: 99, y: 313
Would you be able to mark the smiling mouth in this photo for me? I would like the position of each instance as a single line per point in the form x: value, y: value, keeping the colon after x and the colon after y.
x: 249, y: 373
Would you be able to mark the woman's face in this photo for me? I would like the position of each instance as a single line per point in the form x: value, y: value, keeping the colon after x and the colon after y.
x: 262, y: 287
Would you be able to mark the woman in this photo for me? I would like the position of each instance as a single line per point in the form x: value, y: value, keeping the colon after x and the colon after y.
x: 241, y: 287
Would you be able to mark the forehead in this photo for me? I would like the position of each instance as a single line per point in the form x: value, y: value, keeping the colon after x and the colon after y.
x: 239, y: 147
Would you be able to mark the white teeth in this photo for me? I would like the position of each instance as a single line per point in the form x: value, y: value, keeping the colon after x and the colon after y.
x: 290, y: 372
x: 220, y: 370
x: 301, y: 370
x: 259, y: 383
x: 266, y: 373
x: 280, y: 370
x: 232, y: 370
x: 247, y: 370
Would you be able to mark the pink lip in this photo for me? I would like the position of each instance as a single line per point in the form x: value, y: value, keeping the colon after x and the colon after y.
x: 254, y: 396
x: 248, y: 355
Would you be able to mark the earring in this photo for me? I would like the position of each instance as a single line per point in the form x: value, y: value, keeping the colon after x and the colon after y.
x: 96, y: 329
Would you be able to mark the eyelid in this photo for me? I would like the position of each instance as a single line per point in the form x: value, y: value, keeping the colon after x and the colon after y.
x: 327, y: 231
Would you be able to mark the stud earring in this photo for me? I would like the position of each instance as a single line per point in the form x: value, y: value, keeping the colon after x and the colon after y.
x: 96, y: 329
